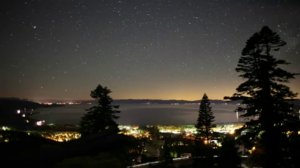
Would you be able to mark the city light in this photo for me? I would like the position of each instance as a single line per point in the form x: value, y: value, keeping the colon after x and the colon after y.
x: 5, y: 128
x: 134, y: 131
x: 62, y: 136
x: 252, y: 149
x: 40, y: 123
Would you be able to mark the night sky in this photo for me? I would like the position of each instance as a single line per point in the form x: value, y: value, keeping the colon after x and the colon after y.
x: 164, y: 49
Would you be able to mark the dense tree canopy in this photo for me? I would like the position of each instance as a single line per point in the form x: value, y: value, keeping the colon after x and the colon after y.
x: 266, y: 98
x: 101, y: 117
x: 205, y: 119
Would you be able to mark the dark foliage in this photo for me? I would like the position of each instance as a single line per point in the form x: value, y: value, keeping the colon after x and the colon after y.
x: 205, y: 119
x: 166, y: 154
x: 100, y: 119
x: 203, y: 151
x: 203, y: 155
x: 266, y: 97
x: 229, y: 155
x: 20, y: 148
x: 95, y: 151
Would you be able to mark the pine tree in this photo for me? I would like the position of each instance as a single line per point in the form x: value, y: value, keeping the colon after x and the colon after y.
x: 265, y: 94
x: 205, y: 119
x: 100, y: 119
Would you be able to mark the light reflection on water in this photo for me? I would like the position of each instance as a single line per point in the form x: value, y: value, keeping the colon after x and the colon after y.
x: 142, y: 114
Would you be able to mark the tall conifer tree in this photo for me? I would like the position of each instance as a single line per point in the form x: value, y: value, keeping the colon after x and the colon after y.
x: 205, y: 119
x: 101, y: 117
x: 265, y: 95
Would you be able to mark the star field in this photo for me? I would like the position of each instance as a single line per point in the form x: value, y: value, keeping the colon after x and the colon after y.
x: 166, y: 49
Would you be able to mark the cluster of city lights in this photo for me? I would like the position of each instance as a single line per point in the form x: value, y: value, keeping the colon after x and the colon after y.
x: 59, y: 103
x: 62, y: 136
x: 134, y: 131
x: 2, y: 138
x: 185, y: 129
x: 227, y: 128
x: 191, y: 130
x: 5, y: 128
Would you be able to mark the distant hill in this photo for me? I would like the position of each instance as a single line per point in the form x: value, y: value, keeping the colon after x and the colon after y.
x: 17, y: 103
x: 16, y: 112
x: 159, y: 101
x: 21, y: 103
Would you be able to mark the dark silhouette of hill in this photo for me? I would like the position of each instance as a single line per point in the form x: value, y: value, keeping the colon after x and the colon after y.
x: 160, y: 101
x: 32, y: 150
x: 17, y: 112
x: 17, y: 103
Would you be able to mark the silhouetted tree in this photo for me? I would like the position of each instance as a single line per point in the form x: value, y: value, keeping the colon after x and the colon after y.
x: 100, y: 118
x: 265, y: 95
x: 205, y: 119
x: 166, y: 154
x: 203, y: 151
x: 229, y: 155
